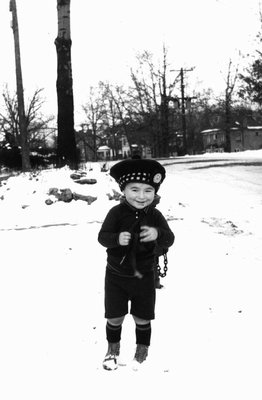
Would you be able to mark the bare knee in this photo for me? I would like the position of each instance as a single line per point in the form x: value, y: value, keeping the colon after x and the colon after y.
x: 140, y: 321
x: 116, y: 321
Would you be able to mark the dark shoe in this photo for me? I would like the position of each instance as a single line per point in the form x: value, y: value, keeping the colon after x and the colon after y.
x: 110, y: 362
x: 140, y: 356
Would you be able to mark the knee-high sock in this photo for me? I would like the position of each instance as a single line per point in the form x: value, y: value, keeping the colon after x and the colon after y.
x: 113, y: 333
x: 143, y: 334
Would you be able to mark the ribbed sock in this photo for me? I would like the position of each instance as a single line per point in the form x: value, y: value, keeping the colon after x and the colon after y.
x: 113, y: 332
x: 143, y: 334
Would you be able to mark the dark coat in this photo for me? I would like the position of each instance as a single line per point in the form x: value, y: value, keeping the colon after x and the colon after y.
x: 137, y: 256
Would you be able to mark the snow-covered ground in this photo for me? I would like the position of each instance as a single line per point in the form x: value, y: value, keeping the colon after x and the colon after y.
x: 206, y: 339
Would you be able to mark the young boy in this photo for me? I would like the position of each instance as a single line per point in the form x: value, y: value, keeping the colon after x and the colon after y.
x: 132, y: 231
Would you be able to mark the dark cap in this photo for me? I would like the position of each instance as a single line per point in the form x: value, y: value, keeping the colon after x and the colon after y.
x: 146, y: 171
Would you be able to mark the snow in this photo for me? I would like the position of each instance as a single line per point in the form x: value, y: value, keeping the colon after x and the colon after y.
x: 206, y: 338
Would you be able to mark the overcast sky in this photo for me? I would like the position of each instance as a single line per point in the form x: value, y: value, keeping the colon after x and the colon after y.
x: 106, y: 35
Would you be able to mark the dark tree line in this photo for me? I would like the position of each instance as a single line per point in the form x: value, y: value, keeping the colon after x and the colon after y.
x: 148, y: 111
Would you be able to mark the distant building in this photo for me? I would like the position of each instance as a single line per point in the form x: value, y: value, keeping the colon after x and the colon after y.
x: 104, y: 153
x: 105, y: 150
x: 246, y: 138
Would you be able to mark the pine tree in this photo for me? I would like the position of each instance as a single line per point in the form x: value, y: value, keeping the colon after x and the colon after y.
x: 252, y: 82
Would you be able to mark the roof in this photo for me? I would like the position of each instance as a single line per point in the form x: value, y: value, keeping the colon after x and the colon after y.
x: 249, y: 128
x: 102, y: 148
x: 211, y: 130
x: 255, y: 128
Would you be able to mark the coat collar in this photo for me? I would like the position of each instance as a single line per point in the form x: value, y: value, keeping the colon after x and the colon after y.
x: 144, y: 210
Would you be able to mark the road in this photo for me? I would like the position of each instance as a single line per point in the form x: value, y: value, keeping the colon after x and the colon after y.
x: 207, y: 333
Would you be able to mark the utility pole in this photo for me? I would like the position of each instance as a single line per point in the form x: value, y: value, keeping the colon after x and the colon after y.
x: 183, y: 111
x: 25, y: 155
x: 183, y: 106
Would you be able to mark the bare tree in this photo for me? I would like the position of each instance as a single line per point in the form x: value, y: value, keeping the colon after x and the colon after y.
x: 153, y: 92
x: 20, y: 91
x: 37, y: 126
x: 231, y: 80
x: 9, y: 119
x: 124, y: 113
x: 145, y: 93
x: 95, y: 111
x: 110, y: 118
x: 66, y: 143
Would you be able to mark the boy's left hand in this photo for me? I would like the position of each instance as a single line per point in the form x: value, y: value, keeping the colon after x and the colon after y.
x: 148, y: 234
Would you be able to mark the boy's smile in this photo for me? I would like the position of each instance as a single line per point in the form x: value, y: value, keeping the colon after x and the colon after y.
x: 139, y: 195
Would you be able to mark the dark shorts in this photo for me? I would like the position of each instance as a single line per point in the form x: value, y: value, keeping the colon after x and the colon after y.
x: 120, y: 290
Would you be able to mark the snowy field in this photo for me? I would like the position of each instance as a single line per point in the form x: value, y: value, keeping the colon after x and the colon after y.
x: 206, y: 339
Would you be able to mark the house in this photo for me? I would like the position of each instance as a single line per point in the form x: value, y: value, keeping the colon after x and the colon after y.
x: 241, y: 138
x: 248, y: 138
x: 213, y: 140
x: 104, y: 153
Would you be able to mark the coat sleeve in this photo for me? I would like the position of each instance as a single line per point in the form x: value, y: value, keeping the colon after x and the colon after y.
x: 166, y: 237
x: 108, y: 234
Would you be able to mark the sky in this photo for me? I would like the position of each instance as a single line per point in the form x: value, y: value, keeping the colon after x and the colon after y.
x: 107, y: 35
x: 206, y: 338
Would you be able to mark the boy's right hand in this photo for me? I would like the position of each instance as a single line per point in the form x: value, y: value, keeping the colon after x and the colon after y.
x: 124, y: 238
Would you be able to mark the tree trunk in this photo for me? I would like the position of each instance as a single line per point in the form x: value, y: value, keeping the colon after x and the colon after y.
x: 228, y: 104
x: 227, y: 130
x: 164, y: 151
x: 66, y: 143
x: 25, y: 154
x: 163, y: 145
x: 183, y: 112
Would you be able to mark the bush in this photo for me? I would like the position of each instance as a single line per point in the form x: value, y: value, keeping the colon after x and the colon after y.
x: 11, y: 158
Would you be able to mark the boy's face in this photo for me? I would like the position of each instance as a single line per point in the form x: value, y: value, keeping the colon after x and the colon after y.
x: 139, y: 195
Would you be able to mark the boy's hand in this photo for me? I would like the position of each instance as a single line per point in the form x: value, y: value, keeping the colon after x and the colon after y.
x: 148, y: 234
x: 124, y: 238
